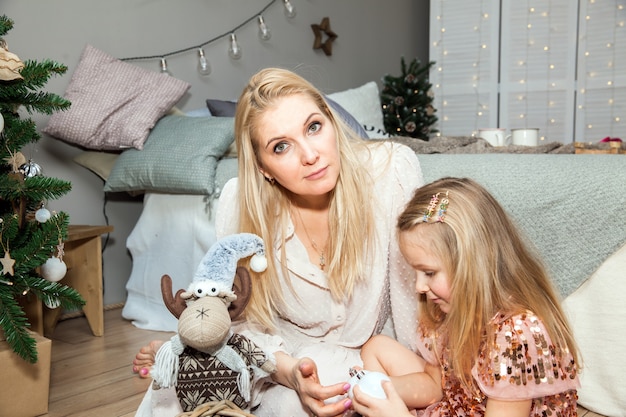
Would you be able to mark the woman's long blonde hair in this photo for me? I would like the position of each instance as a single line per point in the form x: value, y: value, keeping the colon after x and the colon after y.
x: 491, y: 268
x: 264, y: 207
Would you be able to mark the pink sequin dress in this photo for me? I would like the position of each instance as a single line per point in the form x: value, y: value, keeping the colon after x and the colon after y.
x: 522, y: 364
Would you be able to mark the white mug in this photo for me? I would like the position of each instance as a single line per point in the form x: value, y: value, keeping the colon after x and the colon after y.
x: 495, y: 136
x: 525, y: 137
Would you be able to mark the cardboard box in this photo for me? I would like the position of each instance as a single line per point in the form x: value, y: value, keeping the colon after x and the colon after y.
x: 24, y: 387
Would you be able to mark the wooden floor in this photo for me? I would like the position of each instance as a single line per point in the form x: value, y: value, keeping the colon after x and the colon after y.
x: 92, y: 376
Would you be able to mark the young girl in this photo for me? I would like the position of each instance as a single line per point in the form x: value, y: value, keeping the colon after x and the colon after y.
x: 494, y: 339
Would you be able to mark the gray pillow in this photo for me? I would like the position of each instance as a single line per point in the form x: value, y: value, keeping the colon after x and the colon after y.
x: 179, y: 156
x: 222, y: 108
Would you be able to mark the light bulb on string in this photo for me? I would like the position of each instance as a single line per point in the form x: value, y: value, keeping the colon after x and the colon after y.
x: 204, y: 68
x: 234, y: 50
x: 164, y: 69
x: 290, y: 11
x: 264, y: 32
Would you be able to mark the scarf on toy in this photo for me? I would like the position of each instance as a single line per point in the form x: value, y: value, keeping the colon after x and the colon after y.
x: 165, y: 369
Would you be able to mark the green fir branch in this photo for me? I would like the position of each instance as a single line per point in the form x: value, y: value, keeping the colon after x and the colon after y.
x: 35, y: 188
x: 6, y: 25
x: 37, y: 242
x: 15, y: 325
x: 48, y: 291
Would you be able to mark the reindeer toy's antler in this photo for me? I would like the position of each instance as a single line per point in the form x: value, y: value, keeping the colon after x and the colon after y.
x: 205, y: 342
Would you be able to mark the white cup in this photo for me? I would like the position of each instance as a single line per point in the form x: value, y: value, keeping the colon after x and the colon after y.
x: 525, y: 137
x: 495, y: 136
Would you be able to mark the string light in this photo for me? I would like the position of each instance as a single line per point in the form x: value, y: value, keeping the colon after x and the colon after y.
x: 551, y: 120
x: 482, y: 19
x: 439, y: 86
x: 204, y: 68
x: 234, y: 49
x: 264, y: 32
x: 290, y: 11
x: 540, y: 78
x: 163, y: 65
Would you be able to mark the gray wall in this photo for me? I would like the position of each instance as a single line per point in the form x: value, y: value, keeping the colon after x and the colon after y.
x: 372, y: 36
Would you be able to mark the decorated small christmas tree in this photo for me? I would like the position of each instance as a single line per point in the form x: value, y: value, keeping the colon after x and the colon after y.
x: 31, y: 237
x: 407, y: 102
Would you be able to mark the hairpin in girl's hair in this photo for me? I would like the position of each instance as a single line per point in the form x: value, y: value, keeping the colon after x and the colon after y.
x: 443, y: 207
x: 430, y: 210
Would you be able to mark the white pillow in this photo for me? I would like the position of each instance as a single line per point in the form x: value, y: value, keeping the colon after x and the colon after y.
x: 363, y: 103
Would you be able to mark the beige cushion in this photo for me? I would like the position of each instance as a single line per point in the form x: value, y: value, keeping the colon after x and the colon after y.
x: 100, y: 163
x: 114, y: 103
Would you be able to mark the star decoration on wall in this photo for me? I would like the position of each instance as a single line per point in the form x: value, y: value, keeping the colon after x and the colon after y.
x: 324, y: 28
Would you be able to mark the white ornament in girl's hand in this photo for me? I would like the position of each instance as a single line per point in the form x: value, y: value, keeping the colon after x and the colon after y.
x: 54, y: 269
x: 369, y: 382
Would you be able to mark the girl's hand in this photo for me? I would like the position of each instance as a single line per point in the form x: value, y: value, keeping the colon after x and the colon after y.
x: 368, y: 406
x: 305, y: 380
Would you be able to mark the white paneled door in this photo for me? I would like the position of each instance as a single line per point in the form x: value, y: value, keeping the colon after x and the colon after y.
x: 557, y: 65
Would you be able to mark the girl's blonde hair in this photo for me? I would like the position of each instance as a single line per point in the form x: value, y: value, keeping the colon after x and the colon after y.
x: 264, y: 206
x: 491, y: 268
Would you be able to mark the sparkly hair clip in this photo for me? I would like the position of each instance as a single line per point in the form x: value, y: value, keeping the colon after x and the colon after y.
x: 430, y: 210
x: 443, y: 207
x: 432, y: 206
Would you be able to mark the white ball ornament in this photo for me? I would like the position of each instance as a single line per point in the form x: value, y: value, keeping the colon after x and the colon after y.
x: 53, y: 303
x: 42, y: 215
x: 370, y: 383
x: 54, y: 269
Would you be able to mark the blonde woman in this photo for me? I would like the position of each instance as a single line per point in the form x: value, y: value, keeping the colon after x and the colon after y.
x: 325, y: 202
x: 494, y: 340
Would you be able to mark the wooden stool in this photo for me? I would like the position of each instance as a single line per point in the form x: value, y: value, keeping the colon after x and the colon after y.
x: 83, y: 257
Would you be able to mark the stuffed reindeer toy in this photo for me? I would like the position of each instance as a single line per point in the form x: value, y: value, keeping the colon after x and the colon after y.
x: 206, y: 361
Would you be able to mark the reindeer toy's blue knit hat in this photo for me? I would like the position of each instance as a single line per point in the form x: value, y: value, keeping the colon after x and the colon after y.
x: 216, y: 273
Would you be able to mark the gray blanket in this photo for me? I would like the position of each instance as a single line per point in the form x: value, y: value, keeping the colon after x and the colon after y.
x: 571, y: 207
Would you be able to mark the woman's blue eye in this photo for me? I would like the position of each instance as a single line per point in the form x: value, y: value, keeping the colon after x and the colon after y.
x: 280, y: 147
x: 315, y: 127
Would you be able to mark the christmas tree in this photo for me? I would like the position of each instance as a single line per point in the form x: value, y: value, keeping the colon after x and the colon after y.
x: 31, y: 237
x: 407, y: 102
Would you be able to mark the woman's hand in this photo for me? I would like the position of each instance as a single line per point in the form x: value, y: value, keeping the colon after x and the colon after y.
x: 303, y: 378
x: 368, y: 406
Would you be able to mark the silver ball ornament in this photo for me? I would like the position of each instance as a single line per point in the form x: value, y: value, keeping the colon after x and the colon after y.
x: 30, y: 169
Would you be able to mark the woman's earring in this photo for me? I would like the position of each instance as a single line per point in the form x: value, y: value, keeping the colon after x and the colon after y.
x: 271, y: 180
